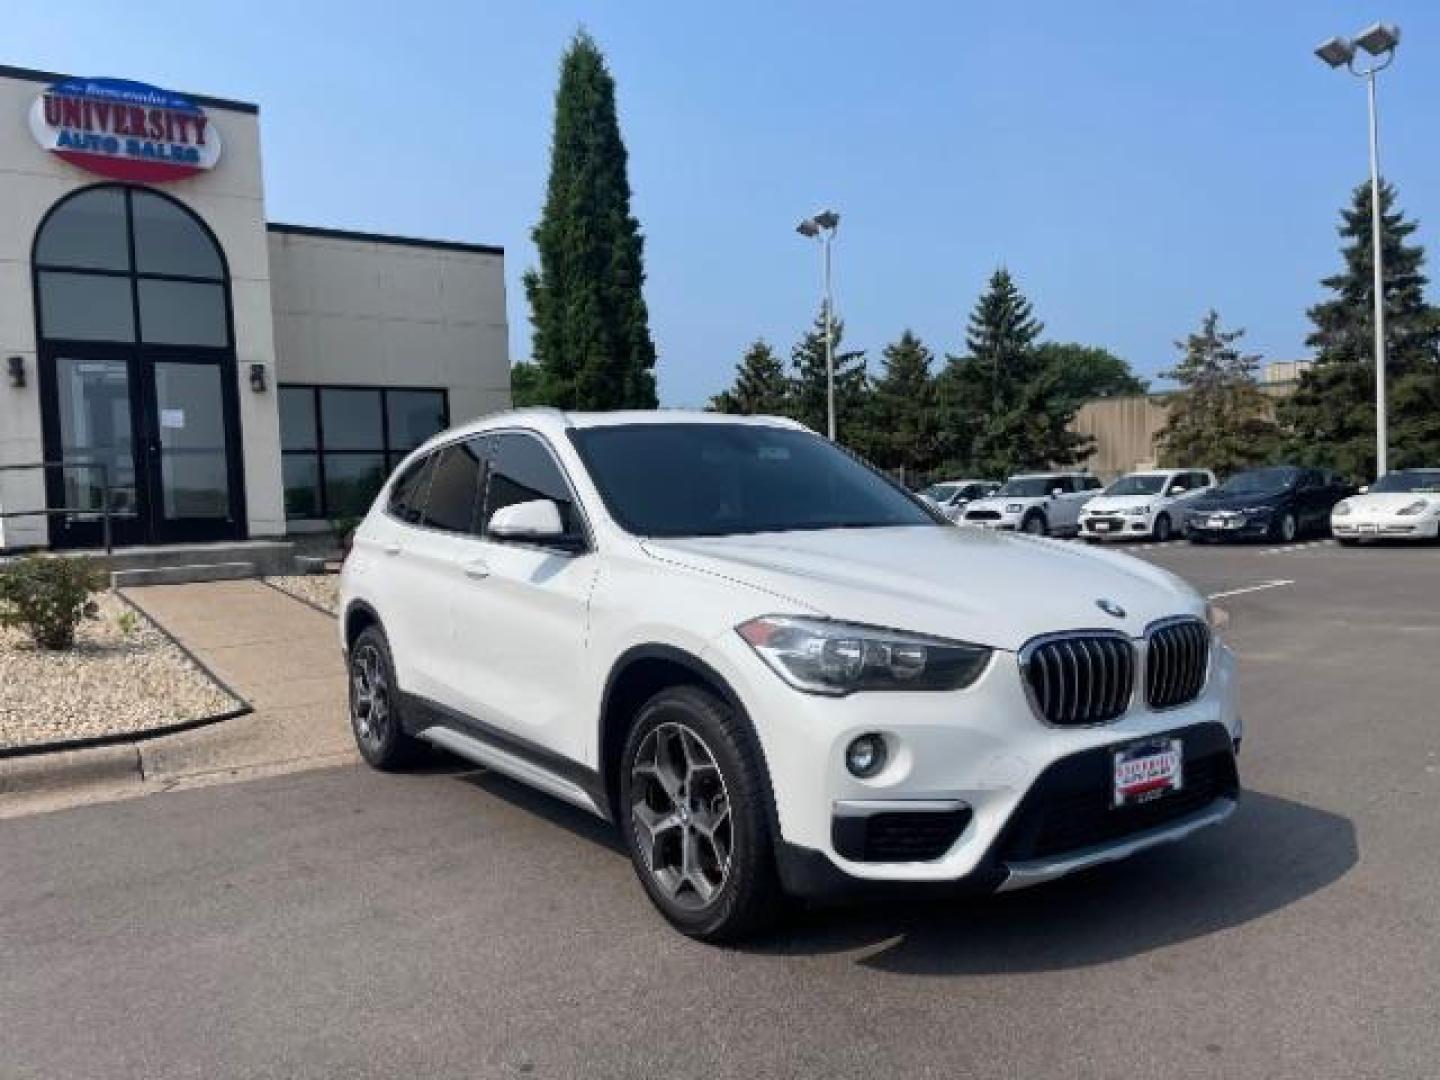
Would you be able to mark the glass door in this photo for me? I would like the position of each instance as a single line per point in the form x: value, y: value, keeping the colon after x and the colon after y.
x: 92, y: 414
x: 192, y: 466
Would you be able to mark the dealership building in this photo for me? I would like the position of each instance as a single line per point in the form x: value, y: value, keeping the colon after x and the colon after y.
x: 212, y: 375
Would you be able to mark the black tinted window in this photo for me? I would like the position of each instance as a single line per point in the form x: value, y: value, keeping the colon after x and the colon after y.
x: 721, y: 479
x: 523, y: 470
x: 454, y: 486
x: 407, y: 497
x: 1092, y: 483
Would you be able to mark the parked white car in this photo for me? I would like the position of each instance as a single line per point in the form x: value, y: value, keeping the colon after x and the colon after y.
x: 774, y: 669
x: 1401, y: 505
x: 1042, y: 504
x: 951, y: 497
x: 1148, y: 504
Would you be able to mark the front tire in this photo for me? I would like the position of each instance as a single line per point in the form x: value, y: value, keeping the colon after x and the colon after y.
x: 1286, y: 529
x: 1035, y: 524
x: 374, y: 704
x: 693, y: 808
x: 1162, y: 531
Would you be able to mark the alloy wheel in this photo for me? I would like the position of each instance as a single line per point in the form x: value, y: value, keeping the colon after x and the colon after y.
x: 680, y: 815
x: 369, y: 696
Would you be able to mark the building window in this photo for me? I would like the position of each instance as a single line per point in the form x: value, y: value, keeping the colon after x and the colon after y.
x: 340, y: 442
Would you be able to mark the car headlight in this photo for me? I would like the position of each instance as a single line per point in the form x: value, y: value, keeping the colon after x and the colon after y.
x: 1014, y: 508
x: 1136, y: 510
x: 823, y: 657
x: 1417, y: 507
x: 1342, y: 509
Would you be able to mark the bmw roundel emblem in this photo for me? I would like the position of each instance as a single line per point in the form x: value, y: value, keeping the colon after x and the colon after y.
x: 1111, y: 608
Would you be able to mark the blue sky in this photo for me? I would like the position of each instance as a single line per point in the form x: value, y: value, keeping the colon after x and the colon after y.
x: 1131, y: 163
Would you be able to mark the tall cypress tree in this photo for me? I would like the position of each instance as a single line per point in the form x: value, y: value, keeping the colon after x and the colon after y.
x: 1219, y: 417
x: 1331, y: 416
x: 904, y: 418
x: 1006, y: 408
x: 761, y: 386
x: 809, y: 385
x: 591, y: 327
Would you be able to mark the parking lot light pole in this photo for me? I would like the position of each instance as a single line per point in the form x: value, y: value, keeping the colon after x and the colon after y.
x: 1379, y: 41
x: 824, y: 226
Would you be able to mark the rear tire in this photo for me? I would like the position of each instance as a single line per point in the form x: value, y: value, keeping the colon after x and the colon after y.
x: 374, y: 704
x: 1035, y: 524
x: 694, y: 814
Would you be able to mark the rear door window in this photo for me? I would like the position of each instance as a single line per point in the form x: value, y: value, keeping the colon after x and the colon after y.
x: 407, y: 495
x: 455, y: 486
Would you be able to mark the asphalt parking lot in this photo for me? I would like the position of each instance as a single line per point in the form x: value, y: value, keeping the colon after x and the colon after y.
x: 449, y: 923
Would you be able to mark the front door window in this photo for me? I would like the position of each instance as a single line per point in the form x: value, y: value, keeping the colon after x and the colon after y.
x: 194, y: 460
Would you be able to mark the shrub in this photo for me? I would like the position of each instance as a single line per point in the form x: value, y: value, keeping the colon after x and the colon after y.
x: 48, y: 597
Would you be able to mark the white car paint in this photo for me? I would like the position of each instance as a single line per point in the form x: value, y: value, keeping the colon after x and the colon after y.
x: 1393, y: 515
x: 1112, y: 515
x: 1056, y: 503
x: 964, y: 493
x: 525, y: 640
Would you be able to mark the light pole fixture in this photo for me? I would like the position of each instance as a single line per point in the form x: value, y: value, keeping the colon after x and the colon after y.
x: 823, y: 226
x: 1380, y: 41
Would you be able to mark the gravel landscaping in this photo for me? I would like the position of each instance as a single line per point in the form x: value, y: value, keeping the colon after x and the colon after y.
x: 122, y: 677
x: 322, y: 590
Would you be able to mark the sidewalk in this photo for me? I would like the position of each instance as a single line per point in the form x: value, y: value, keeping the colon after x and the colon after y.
x: 278, y: 654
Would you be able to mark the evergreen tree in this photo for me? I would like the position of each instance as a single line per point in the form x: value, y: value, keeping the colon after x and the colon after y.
x: 525, y: 388
x: 591, y: 327
x: 1331, y: 416
x: 761, y: 386
x: 808, y: 386
x: 1219, y: 418
x: 904, y: 420
x: 1004, y: 407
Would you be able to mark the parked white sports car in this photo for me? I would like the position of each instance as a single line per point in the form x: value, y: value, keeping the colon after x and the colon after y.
x: 1401, y: 505
x: 1145, y: 504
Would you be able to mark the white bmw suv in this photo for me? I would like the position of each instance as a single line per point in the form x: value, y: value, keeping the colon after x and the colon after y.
x: 775, y: 670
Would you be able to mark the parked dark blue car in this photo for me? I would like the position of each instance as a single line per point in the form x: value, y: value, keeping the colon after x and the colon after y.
x: 1278, y: 502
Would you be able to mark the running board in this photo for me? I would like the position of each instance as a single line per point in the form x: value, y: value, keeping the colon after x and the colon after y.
x: 517, y: 768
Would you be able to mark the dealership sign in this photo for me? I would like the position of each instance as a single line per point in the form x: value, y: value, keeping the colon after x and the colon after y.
x: 125, y: 130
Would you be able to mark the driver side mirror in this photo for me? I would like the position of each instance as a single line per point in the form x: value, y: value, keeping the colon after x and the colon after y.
x: 1178, y: 489
x: 537, y: 522
x: 1364, y: 489
x: 1057, y: 492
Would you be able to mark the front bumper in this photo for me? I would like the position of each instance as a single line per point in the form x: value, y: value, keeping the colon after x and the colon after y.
x: 1116, y: 524
x: 1228, y: 527
x: 1391, y: 527
x: 1007, y: 522
x: 1025, y: 801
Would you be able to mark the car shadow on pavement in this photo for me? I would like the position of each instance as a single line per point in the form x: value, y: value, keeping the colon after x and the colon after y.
x: 1272, y: 853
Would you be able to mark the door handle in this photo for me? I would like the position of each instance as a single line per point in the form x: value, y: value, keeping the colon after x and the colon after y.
x: 477, y: 568
x: 392, y: 549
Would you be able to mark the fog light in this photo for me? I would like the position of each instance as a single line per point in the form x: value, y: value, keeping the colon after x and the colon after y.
x: 866, y: 756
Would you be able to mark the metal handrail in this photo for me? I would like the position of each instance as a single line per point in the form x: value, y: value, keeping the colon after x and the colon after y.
x: 107, y: 512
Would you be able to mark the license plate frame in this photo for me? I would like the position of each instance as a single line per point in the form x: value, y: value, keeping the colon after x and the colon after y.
x: 1142, y: 772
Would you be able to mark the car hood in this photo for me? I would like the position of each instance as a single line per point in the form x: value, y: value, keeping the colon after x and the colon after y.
x: 1111, y: 503
x: 1388, y: 502
x: 990, y: 588
x: 1237, y: 502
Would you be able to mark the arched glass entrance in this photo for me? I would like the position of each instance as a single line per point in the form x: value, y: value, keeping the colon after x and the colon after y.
x: 137, y: 370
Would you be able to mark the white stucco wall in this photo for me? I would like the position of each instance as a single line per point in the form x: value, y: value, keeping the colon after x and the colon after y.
x: 371, y: 312
x: 230, y: 200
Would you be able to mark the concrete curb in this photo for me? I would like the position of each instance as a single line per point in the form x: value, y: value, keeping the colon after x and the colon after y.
x: 70, y: 769
x: 299, y: 599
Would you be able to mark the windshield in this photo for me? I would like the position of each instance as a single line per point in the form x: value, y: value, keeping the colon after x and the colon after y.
x: 1137, y: 484
x: 1423, y: 480
x: 723, y: 479
x: 1260, y: 481
x: 1028, y: 487
x: 939, y: 493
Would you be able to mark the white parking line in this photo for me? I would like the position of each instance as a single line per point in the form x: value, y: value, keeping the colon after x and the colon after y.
x: 1249, y: 589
